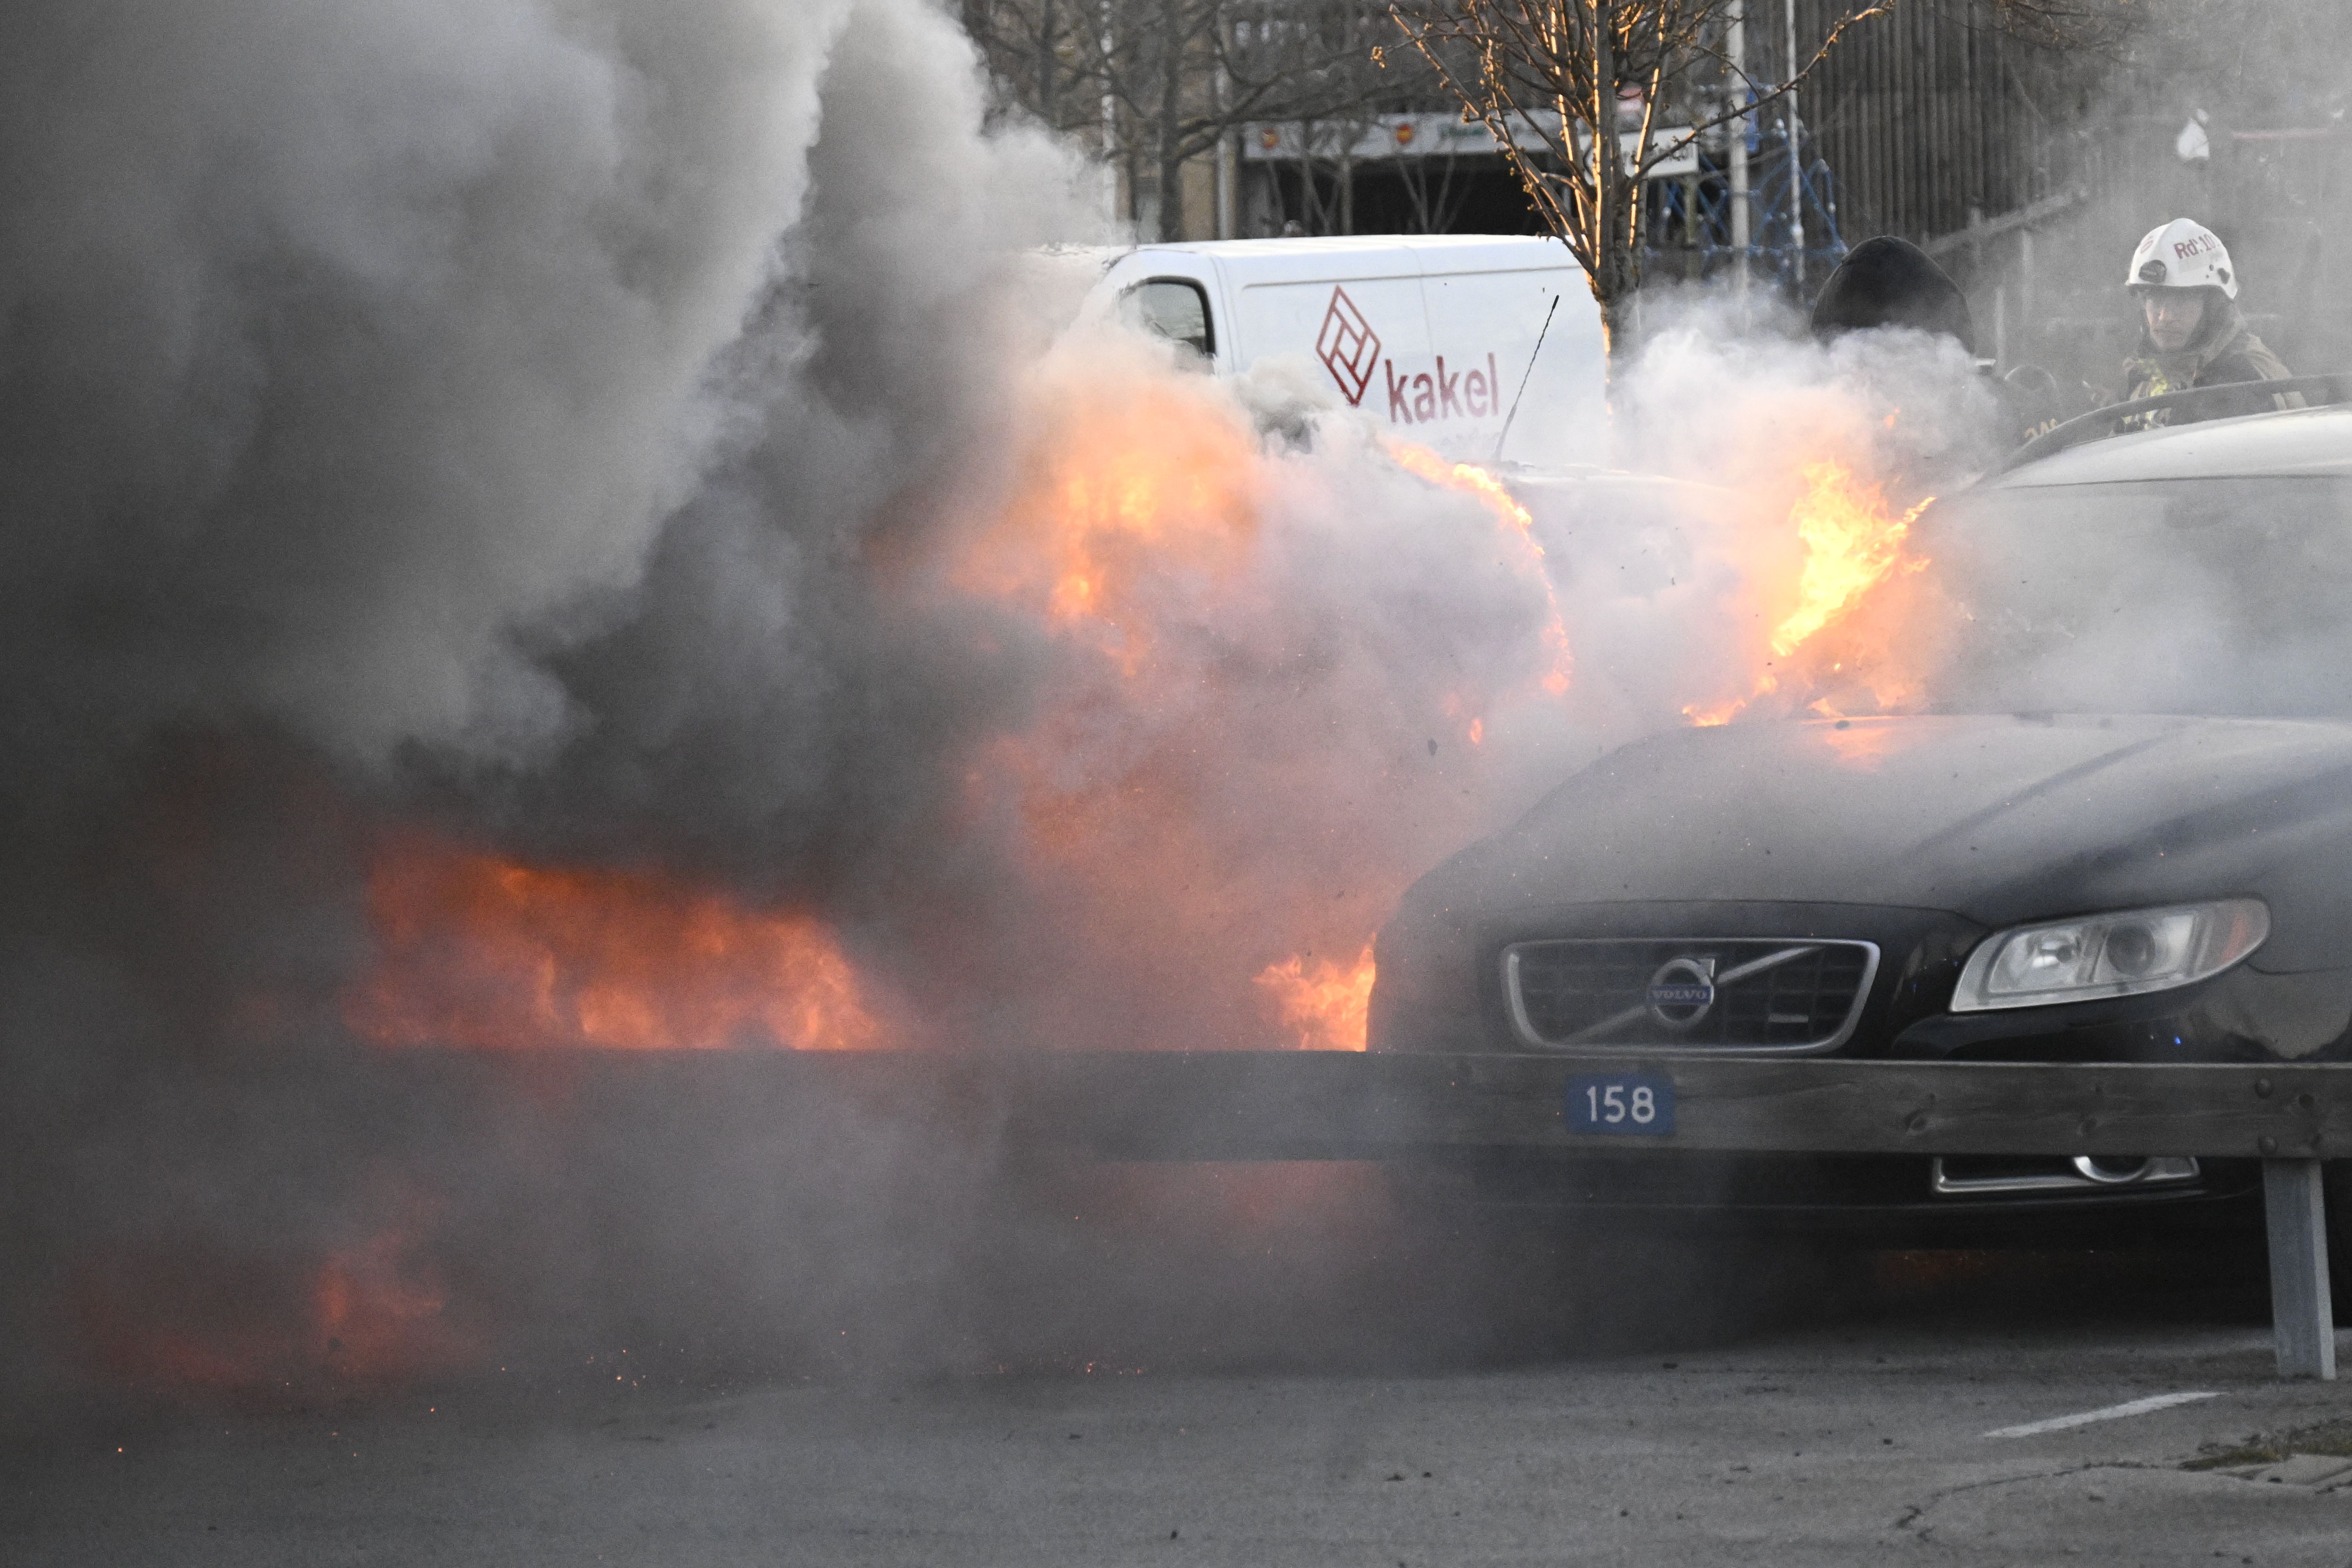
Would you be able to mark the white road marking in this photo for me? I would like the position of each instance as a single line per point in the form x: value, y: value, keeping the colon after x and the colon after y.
x: 2112, y: 1413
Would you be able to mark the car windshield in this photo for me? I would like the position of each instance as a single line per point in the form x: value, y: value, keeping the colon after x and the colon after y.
x: 2210, y: 595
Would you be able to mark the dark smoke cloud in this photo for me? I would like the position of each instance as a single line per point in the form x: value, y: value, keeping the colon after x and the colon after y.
x: 558, y: 425
x: 355, y: 358
x: 491, y: 412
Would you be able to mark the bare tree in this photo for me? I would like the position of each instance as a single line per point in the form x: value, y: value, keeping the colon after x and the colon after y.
x: 1431, y: 187
x: 1309, y: 62
x: 2094, y: 26
x: 1345, y: 112
x: 1551, y: 79
x: 1355, y: 119
x: 1037, y: 54
x: 1380, y: 89
x: 1160, y: 83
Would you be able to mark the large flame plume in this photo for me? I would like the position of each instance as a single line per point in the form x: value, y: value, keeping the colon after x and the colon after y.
x: 1134, y: 544
x: 1156, y: 481
x: 1208, y: 792
x: 1853, y: 541
x: 1327, y: 1005
x: 1835, y: 641
x: 476, y: 949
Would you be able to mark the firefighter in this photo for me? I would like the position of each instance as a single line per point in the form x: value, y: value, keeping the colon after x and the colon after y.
x: 2191, y: 334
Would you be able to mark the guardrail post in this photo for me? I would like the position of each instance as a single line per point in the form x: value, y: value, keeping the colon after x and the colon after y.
x: 2303, y: 1315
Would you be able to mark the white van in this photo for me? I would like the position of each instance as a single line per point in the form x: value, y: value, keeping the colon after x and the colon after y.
x: 1432, y: 335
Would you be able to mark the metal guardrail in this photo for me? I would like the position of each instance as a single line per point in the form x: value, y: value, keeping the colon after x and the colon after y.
x: 2101, y: 422
x: 1251, y: 1105
x: 1207, y: 1106
x: 1331, y: 1105
x: 1244, y: 1105
x: 1265, y: 1105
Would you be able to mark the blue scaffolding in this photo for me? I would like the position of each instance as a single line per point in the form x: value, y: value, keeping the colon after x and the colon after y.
x: 1774, y: 258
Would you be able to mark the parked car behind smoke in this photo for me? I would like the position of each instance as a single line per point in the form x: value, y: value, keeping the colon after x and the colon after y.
x: 2122, y: 832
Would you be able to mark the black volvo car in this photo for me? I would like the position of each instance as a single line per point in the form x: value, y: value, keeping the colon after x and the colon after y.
x: 2122, y: 832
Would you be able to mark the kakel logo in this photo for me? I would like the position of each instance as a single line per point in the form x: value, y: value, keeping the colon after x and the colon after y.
x: 1348, y: 346
x: 1682, y: 991
x: 1350, y: 349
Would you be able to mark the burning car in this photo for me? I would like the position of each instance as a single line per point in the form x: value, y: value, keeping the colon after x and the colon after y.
x: 2120, y: 831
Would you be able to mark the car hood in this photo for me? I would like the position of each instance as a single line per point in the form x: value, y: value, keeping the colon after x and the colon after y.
x: 1997, y: 818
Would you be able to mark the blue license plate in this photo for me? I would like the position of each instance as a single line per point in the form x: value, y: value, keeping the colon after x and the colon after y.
x: 1639, y: 1104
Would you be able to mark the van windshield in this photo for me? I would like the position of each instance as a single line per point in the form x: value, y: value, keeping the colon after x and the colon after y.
x: 2229, y: 596
x: 1173, y: 307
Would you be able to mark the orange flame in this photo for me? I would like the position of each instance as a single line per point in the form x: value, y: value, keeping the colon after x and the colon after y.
x: 476, y: 950
x: 184, y: 1319
x: 1329, y: 1004
x: 378, y: 1312
x: 1851, y: 545
x: 1514, y: 519
x: 1132, y: 484
x: 1706, y: 717
x: 1133, y: 534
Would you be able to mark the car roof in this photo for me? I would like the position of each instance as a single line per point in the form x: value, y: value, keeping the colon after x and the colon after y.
x: 2296, y: 441
x: 1344, y: 243
x: 1433, y: 254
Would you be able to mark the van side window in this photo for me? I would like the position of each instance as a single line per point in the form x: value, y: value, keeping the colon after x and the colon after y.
x: 1173, y: 307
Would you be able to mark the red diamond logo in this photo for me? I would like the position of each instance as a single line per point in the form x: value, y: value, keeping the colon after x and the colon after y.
x: 1348, y: 346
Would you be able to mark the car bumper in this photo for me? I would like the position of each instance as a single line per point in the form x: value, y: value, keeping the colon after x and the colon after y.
x: 1873, y: 1200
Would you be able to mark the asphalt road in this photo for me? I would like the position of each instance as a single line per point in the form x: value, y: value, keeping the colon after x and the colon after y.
x: 1863, y: 1439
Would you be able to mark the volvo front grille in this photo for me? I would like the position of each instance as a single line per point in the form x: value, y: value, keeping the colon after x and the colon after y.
x: 1750, y: 994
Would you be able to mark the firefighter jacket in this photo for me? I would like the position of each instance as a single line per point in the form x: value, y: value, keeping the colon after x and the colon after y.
x: 2225, y: 351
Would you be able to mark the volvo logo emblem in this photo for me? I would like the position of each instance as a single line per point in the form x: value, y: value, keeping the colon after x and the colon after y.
x: 1682, y: 991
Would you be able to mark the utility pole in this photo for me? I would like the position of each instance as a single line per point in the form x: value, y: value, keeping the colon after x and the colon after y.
x: 1046, y: 73
x: 1796, y: 164
x: 1222, y: 85
x: 1228, y: 218
x: 1736, y: 46
x: 1110, y: 122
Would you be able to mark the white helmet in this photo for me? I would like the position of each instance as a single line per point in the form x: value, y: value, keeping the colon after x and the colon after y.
x: 2182, y: 254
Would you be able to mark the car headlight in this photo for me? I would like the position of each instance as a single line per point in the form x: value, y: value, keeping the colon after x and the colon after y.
x: 2109, y: 955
